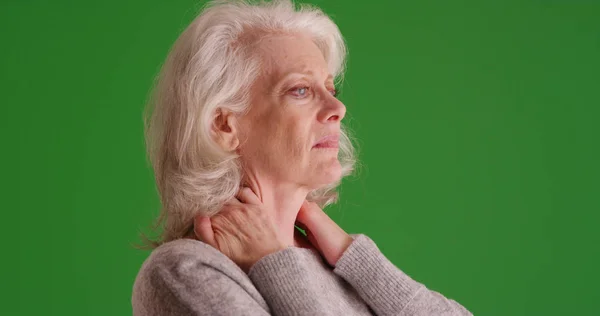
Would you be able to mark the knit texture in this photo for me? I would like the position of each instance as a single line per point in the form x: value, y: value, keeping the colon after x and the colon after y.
x: 189, y: 277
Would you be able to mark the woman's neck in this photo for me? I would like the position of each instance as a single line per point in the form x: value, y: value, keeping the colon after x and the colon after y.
x: 284, y: 202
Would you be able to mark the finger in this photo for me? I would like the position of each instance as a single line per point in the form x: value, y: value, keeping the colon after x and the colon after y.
x: 308, y: 235
x: 246, y: 195
x: 204, y: 231
x: 303, y: 240
x: 311, y: 238
x: 306, y: 216
x: 307, y: 222
x: 319, y: 225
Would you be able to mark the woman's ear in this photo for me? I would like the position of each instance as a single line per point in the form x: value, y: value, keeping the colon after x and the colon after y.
x: 224, y: 130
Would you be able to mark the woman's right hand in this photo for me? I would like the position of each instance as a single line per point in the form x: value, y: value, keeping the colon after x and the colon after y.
x: 243, y: 230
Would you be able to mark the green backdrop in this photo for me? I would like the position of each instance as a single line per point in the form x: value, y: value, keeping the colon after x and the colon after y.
x: 477, y: 124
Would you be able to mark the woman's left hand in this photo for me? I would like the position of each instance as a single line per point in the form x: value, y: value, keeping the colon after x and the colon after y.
x: 322, y: 232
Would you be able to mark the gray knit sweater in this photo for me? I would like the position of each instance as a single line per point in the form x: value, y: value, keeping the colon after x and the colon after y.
x: 189, y: 277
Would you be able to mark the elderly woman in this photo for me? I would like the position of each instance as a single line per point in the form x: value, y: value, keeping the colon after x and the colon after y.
x: 246, y: 142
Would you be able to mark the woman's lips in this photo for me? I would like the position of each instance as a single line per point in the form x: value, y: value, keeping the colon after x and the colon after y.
x: 331, y: 141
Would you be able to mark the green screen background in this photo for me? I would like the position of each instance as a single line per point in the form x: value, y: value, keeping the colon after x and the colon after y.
x: 477, y: 124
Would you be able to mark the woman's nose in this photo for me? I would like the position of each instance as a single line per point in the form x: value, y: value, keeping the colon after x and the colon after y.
x: 333, y: 109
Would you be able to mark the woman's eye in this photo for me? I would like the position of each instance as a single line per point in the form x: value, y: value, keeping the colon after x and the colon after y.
x: 301, y: 91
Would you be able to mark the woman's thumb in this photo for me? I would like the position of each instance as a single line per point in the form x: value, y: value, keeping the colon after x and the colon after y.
x: 203, y: 230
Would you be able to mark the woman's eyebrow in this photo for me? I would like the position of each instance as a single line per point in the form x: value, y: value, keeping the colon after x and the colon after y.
x: 299, y: 74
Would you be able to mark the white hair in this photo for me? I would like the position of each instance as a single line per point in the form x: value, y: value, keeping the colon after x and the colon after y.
x: 210, y: 67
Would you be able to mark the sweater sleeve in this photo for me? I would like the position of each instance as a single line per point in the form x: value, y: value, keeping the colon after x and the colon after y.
x: 282, y: 280
x: 387, y: 289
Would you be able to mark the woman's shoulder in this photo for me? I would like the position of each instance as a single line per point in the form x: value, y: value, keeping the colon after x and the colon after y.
x: 184, y: 255
x: 182, y: 265
x: 183, y: 260
x: 188, y: 270
x: 186, y: 247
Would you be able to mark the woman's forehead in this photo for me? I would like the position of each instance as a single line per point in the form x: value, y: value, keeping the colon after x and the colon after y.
x: 286, y: 56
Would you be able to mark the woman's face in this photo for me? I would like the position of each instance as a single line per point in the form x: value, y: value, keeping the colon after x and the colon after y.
x: 291, y: 133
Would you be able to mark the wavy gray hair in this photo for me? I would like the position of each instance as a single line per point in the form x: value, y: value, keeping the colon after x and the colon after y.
x: 210, y: 67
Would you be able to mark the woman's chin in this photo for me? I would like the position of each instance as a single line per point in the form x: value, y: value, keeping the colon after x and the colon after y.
x: 326, y: 176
